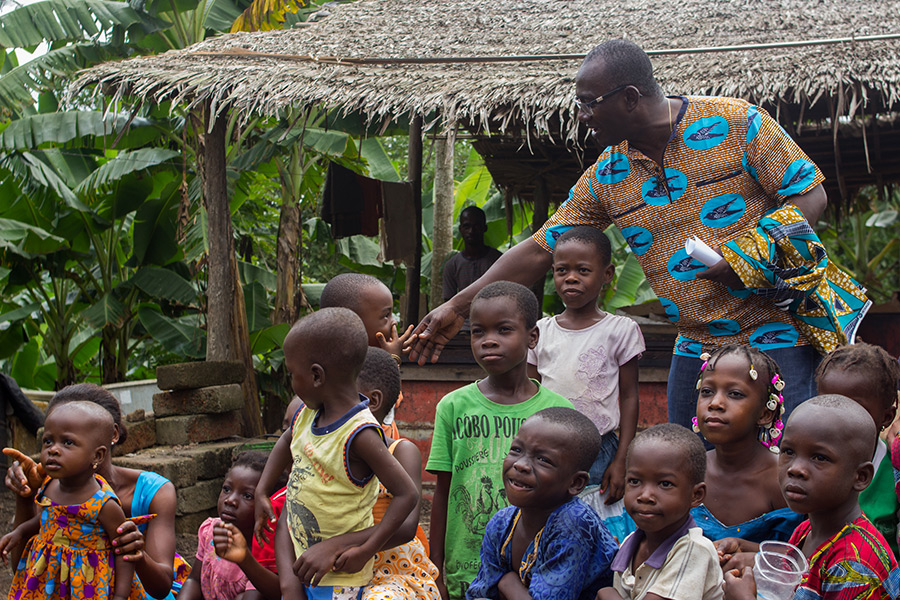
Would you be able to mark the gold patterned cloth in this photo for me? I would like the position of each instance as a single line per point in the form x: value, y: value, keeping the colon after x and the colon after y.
x: 783, y: 259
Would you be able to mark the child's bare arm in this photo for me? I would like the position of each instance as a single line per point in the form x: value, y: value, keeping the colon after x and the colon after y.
x: 614, y: 478
x: 15, y: 539
x: 369, y: 446
x: 438, y: 528
x: 111, y: 516
x: 279, y: 460
x: 284, y: 560
x: 609, y: 593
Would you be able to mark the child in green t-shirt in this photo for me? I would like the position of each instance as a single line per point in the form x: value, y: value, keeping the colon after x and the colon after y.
x: 474, y: 426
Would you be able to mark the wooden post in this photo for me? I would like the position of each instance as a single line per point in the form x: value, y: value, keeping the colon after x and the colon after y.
x: 442, y: 235
x: 228, y: 336
x: 220, y: 280
x: 414, y: 271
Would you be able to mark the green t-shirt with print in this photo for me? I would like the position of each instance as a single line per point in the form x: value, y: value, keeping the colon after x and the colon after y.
x: 472, y: 436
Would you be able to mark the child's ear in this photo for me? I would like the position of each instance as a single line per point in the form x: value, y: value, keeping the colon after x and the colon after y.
x: 765, y: 418
x: 579, y: 482
x: 99, y: 456
x: 318, y: 374
x: 533, y: 337
x: 889, y: 416
x: 864, y: 474
x: 698, y: 494
x: 609, y: 273
x: 376, y: 400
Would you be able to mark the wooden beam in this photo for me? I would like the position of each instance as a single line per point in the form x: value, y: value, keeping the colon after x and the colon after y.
x: 414, y: 271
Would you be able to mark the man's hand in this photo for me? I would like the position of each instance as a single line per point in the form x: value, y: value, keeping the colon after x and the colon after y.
x: 722, y: 272
x: 436, y: 329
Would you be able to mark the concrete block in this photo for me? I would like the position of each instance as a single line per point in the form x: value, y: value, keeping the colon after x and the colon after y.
x: 211, y: 460
x: 182, y: 471
x: 141, y: 434
x: 203, y: 495
x: 207, y: 400
x: 189, y: 524
x: 191, y: 376
x: 183, y: 430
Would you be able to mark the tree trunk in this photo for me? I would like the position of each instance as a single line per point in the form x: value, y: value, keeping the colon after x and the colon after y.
x: 287, y: 252
x: 442, y: 235
x: 228, y: 335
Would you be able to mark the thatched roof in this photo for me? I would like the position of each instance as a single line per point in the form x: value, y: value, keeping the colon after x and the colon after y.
x: 263, y: 73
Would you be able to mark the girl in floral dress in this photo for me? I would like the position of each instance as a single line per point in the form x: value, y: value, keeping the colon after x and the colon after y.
x: 69, y: 554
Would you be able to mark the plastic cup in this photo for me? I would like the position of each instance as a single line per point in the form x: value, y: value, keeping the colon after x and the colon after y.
x: 778, y: 568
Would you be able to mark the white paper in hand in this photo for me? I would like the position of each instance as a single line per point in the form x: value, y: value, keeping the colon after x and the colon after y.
x: 697, y: 248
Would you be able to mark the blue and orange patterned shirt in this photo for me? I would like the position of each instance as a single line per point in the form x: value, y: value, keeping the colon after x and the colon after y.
x: 726, y: 165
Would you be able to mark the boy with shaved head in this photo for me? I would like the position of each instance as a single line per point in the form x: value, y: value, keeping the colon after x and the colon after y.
x: 824, y: 464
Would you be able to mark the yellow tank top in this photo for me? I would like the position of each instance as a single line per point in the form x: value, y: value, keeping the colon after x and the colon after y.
x: 323, y: 499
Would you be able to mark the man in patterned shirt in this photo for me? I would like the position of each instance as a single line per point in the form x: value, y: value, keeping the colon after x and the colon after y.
x: 674, y: 167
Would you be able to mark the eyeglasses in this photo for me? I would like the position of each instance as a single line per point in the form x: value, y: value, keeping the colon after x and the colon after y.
x: 588, y: 107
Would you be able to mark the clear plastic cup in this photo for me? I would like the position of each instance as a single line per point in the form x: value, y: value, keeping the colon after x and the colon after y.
x: 778, y: 568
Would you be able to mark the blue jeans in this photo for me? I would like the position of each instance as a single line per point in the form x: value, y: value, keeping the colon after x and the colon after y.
x: 609, y: 445
x: 797, y: 364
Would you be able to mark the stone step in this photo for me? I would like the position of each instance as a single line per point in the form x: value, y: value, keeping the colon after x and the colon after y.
x: 207, y: 400
x: 185, y: 429
x: 184, y: 466
x: 194, y: 375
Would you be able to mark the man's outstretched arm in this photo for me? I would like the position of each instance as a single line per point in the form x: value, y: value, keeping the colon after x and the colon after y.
x: 524, y: 263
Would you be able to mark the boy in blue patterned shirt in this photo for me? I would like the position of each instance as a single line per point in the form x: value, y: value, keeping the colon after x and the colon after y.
x: 548, y: 545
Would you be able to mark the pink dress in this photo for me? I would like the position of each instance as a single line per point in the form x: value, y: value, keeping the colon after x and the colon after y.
x: 219, y: 579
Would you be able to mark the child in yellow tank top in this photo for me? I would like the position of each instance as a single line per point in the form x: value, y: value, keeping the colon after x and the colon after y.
x: 337, y: 449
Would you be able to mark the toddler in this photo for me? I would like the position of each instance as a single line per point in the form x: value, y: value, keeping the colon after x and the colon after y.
x: 474, y: 425
x: 216, y: 577
x: 69, y: 552
x: 868, y: 375
x: 338, y: 450
x: 739, y: 411
x: 548, y: 544
x: 667, y: 557
x: 825, y: 462
x: 590, y: 356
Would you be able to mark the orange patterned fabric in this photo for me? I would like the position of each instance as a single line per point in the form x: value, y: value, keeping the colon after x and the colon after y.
x: 404, y: 572
x: 726, y: 164
x: 71, y: 556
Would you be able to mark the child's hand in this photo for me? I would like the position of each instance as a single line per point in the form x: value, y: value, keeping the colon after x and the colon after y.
x: 739, y: 560
x: 352, y: 560
x: 396, y: 343
x: 24, y: 476
x: 614, y: 481
x: 318, y: 561
x: 265, y: 519
x: 740, y: 584
x: 230, y: 543
x: 8, y: 542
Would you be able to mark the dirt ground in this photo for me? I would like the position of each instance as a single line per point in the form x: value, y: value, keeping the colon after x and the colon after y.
x: 186, y: 545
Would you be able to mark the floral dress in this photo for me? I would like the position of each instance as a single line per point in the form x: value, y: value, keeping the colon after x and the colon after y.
x: 70, y: 557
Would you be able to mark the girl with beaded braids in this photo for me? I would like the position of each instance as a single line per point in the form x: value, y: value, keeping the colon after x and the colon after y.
x: 739, y: 412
